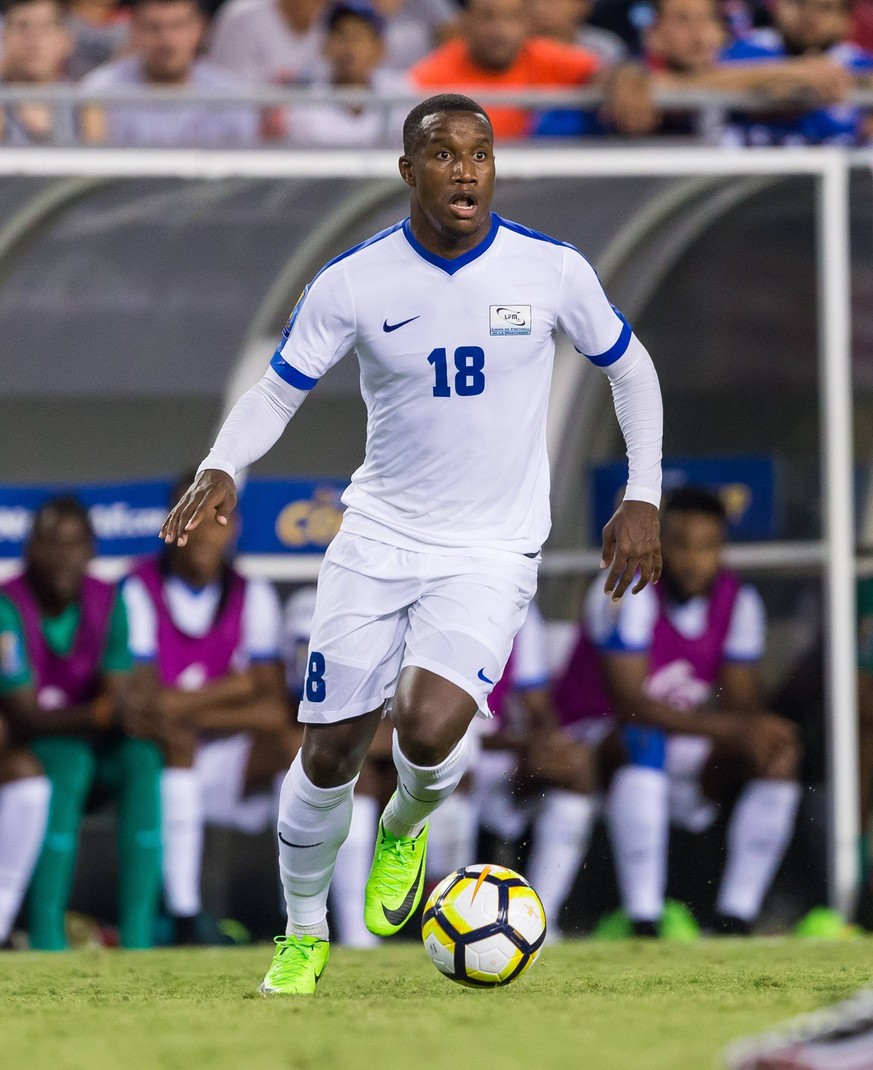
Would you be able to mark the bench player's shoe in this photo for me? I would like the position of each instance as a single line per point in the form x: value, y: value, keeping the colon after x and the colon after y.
x: 396, y: 881
x: 297, y: 966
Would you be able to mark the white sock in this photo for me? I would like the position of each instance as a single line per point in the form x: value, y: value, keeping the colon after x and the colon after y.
x: 561, y: 834
x: 182, y: 840
x: 499, y: 810
x: 760, y: 830
x: 451, y: 839
x: 24, y: 807
x: 639, y: 824
x: 350, y: 875
x: 421, y: 789
x: 313, y: 823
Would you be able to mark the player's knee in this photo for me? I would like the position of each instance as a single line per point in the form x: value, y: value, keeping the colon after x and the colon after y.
x: 645, y: 747
x: 425, y: 738
x: 18, y: 764
x: 330, y: 760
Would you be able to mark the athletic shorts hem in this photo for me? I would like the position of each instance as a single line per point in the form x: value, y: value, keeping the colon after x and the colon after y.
x: 321, y: 713
x: 456, y: 678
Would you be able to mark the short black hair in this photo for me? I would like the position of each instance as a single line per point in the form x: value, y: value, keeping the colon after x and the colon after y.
x: 413, y: 126
x: 63, y: 506
x: 696, y: 500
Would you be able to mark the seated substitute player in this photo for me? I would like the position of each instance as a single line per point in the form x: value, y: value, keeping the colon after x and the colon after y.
x: 453, y: 314
x: 68, y: 692
x: 219, y: 710
x: 532, y: 774
x: 679, y: 666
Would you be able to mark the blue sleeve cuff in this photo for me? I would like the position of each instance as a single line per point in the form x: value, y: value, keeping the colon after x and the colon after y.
x: 290, y: 374
x: 619, y: 347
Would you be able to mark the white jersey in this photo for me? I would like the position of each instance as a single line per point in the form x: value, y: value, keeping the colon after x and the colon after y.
x: 628, y: 626
x: 456, y: 361
x: 193, y: 612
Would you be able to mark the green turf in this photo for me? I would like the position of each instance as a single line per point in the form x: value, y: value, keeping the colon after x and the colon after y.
x: 585, y: 1006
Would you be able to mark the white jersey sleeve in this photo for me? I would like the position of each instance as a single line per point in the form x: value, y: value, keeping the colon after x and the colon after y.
x: 530, y: 654
x: 625, y: 627
x: 262, y: 621
x: 142, y: 620
x: 599, y: 331
x: 320, y: 331
x: 593, y: 325
x: 747, y: 632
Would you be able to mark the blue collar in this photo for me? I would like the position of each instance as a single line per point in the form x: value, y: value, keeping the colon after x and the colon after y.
x: 455, y: 264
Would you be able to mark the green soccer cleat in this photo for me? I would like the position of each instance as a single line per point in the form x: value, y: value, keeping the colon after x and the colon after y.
x: 297, y: 966
x: 396, y: 881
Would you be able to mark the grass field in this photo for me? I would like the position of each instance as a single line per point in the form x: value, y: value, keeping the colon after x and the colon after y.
x: 585, y: 1006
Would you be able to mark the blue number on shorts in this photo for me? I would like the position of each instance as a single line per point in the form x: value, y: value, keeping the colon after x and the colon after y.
x: 469, y: 377
x: 316, y: 689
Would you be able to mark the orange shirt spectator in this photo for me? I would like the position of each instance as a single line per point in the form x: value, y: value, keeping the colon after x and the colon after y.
x: 495, y: 51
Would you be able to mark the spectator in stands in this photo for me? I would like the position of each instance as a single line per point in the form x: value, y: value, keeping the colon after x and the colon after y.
x: 167, y: 36
x: 219, y: 709
x: 270, y: 42
x: 567, y: 21
x: 496, y: 51
x: 685, y: 50
x: 414, y: 27
x: 68, y: 692
x: 35, y: 45
x: 375, y: 785
x: 100, y: 31
x: 804, y: 28
x: 679, y: 668
x: 534, y: 772
x: 354, y: 50
x: 24, y: 800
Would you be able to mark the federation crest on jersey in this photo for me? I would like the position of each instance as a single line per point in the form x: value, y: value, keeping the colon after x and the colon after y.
x: 510, y: 319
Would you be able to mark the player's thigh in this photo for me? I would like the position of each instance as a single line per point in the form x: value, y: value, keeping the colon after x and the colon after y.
x: 463, y: 625
x: 70, y: 765
x: 358, y: 630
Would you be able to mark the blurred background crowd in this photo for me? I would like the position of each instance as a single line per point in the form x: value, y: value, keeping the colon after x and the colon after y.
x: 189, y: 73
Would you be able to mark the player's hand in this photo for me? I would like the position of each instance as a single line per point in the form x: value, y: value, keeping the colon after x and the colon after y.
x: 771, y: 741
x: 631, y: 543
x: 213, y: 493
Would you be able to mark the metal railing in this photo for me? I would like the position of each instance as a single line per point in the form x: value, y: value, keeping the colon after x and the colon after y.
x: 712, y: 108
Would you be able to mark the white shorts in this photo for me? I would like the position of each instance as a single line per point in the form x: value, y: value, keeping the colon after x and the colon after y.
x: 221, y: 766
x: 379, y: 609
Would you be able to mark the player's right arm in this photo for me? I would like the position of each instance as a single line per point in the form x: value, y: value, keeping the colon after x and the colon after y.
x: 320, y: 331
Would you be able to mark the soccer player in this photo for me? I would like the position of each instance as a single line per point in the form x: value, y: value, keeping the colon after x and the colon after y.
x: 220, y: 708
x: 67, y: 691
x: 679, y: 668
x: 453, y: 314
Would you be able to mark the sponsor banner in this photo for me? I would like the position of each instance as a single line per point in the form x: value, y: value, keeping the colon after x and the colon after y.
x: 278, y: 516
x: 746, y: 485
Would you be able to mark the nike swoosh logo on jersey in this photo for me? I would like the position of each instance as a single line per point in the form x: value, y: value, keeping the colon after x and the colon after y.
x: 484, y: 678
x: 288, y: 843
x: 389, y: 327
x: 398, y: 916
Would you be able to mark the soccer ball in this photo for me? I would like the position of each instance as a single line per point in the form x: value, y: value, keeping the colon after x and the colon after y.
x: 483, y: 926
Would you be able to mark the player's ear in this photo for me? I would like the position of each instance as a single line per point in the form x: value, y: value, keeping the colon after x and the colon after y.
x: 407, y: 172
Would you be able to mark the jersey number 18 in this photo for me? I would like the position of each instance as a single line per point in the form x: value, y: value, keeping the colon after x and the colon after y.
x: 469, y: 372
